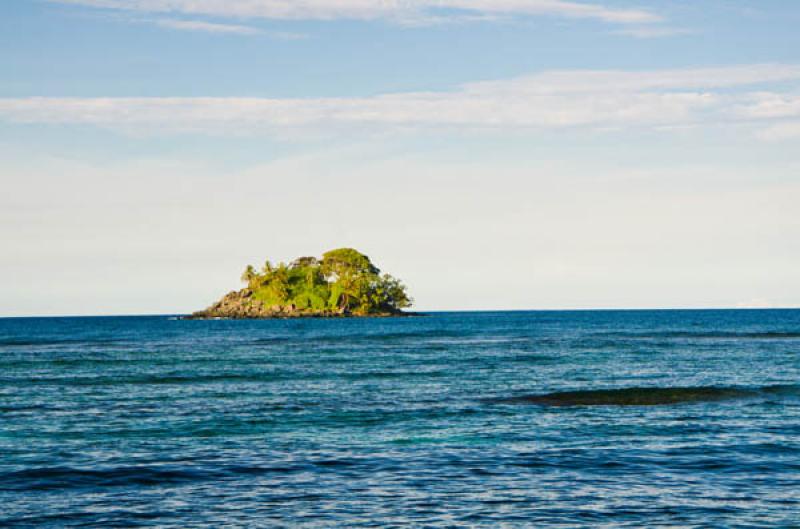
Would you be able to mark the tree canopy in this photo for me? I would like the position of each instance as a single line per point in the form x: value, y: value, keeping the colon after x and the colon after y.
x: 343, y: 280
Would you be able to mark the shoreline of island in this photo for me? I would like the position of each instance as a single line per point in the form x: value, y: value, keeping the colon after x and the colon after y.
x: 243, y: 305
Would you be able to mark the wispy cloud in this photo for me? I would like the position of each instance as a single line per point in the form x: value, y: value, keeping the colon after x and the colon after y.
x: 772, y: 105
x: 780, y: 110
x: 374, y: 9
x: 213, y: 27
x: 666, y: 99
x: 208, y: 27
x: 789, y: 130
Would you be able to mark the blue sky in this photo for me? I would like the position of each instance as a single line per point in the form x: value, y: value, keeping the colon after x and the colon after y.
x: 547, y: 153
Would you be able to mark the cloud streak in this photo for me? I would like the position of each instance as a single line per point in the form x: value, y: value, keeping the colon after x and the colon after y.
x: 207, y: 27
x: 399, y: 10
x: 548, y: 100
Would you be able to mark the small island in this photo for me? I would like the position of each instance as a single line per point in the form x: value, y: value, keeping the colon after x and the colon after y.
x: 343, y: 283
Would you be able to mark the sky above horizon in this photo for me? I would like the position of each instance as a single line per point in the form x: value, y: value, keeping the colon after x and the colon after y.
x: 494, y: 154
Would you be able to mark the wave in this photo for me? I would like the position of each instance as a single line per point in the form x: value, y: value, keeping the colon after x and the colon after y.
x: 48, y: 342
x: 149, y: 379
x: 269, y: 340
x: 357, y: 337
x: 23, y: 409
x: 422, y: 334
x: 50, y: 478
x: 704, y: 335
x: 650, y: 396
x: 59, y: 478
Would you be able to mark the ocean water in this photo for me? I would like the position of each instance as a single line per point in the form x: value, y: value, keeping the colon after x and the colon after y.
x: 437, y: 421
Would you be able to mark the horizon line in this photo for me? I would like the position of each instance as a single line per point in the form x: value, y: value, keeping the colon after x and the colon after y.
x: 422, y: 312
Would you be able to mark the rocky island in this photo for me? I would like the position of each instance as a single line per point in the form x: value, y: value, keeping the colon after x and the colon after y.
x: 343, y: 283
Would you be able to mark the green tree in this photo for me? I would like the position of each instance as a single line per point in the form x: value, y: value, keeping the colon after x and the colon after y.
x: 393, y: 293
x: 275, y: 284
x: 354, y: 274
x: 249, y: 274
x: 344, y: 279
x: 304, y: 262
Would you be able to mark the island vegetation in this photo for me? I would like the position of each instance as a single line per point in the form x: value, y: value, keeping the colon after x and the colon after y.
x: 343, y: 282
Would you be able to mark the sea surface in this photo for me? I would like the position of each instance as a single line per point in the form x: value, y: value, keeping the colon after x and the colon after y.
x: 436, y: 421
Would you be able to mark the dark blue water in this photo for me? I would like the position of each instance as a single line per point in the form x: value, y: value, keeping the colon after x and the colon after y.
x: 154, y: 422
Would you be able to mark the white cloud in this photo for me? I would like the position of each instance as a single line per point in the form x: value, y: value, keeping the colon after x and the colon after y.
x: 772, y: 105
x: 594, y: 99
x: 375, y: 9
x: 781, y: 109
x: 208, y: 27
x: 211, y: 27
x: 781, y: 131
x: 614, y: 81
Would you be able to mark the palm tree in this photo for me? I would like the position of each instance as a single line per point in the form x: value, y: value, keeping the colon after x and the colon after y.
x: 249, y: 274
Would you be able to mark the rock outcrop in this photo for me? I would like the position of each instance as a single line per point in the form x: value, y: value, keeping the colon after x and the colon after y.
x: 242, y: 304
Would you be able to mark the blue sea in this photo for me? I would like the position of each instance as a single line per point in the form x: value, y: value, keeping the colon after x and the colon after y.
x: 435, y: 421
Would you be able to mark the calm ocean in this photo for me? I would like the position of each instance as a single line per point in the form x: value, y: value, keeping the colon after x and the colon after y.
x: 155, y: 422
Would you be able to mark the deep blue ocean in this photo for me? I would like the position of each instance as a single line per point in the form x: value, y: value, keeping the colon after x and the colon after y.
x: 401, y: 422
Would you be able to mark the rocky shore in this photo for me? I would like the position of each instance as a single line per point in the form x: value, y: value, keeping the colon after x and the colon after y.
x: 242, y: 305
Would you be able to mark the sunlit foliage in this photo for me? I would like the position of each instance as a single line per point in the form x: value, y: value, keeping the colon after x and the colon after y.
x: 344, y: 280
